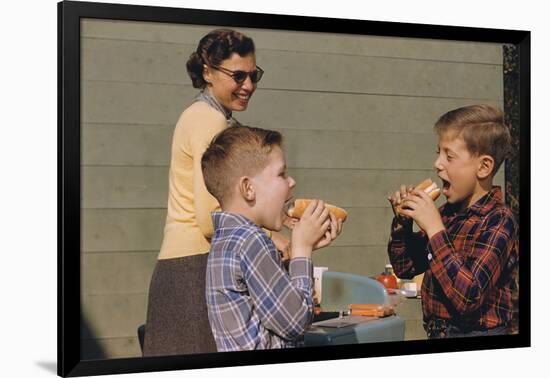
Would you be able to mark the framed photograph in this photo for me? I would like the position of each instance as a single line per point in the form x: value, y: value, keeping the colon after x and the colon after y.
x: 355, y: 101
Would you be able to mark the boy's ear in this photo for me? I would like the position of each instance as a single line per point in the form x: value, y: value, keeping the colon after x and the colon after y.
x: 486, y: 165
x: 246, y: 188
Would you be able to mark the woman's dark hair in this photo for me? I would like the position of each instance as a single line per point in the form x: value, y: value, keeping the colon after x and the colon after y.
x: 214, y: 48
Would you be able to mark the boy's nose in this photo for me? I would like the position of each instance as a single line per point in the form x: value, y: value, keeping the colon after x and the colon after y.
x: 291, y: 182
x: 437, y: 164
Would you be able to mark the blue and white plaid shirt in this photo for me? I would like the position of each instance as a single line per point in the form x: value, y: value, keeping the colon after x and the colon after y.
x: 253, y: 302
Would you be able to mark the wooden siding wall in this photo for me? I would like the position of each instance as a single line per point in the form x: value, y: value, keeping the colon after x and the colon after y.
x: 356, y: 113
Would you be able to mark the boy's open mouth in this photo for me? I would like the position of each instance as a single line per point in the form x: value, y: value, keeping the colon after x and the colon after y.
x: 289, y: 203
x: 445, y: 185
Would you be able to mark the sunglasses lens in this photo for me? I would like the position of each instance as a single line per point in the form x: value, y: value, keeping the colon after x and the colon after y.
x: 240, y: 76
x: 254, y: 77
x: 259, y: 74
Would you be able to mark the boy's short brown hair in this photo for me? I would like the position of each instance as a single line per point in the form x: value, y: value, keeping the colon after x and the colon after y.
x: 481, y: 127
x: 235, y: 152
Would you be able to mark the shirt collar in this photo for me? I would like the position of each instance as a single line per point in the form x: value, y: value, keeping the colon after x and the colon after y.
x: 223, y: 219
x: 481, y: 207
x: 486, y: 203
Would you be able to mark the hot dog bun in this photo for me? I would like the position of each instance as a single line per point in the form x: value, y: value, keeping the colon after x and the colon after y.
x: 430, y: 188
x: 296, y: 210
x: 379, y: 310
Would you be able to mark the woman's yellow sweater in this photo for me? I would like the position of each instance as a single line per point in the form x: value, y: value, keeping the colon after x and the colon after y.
x: 188, y: 228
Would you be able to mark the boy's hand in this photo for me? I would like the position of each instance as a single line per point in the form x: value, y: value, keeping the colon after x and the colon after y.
x: 396, y: 200
x: 290, y: 222
x: 419, y: 206
x: 334, y: 230
x: 313, y: 224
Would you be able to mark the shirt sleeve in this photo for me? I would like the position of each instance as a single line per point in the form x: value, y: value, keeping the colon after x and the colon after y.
x: 467, y: 280
x: 207, y: 126
x: 407, y: 251
x: 284, y: 301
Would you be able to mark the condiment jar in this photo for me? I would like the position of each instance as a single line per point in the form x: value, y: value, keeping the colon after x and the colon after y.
x: 388, y: 278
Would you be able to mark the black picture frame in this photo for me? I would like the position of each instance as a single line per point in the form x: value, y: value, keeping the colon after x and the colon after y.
x: 69, y: 15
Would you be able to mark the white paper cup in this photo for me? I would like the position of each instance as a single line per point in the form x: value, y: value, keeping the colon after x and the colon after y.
x: 411, y: 289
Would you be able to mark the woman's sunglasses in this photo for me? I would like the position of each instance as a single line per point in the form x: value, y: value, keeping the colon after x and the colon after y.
x: 240, y: 76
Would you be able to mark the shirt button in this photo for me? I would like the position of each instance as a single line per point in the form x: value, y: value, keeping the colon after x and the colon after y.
x: 430, y: 256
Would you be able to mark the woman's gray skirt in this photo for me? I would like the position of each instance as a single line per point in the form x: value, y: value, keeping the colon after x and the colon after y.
x: 177, y: 319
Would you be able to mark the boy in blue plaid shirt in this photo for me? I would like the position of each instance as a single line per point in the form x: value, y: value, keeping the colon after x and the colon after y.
x: 253, y: 301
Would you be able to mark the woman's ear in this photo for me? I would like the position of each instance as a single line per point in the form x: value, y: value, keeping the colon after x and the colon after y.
x: 246, y: 189
x: 207, y: 74
x: 486, y: 165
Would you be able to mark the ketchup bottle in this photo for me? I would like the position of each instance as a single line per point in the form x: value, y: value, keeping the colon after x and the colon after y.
x: 388, y: 278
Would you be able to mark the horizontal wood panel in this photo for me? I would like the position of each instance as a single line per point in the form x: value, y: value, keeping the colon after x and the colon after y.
x: 115, y: 315
x: 140, y: 145
x: 410, y: 309
x: 122, y: 229
x: 147, y: 187
x: 361, y: 188
x: 341, y: 73
x: 331, y: 43
x: 141, y: 229
x: 108, y: 273
x: 134, y: 61
x: 358, y: 150
x: 124, y: 187
x: 366, y: 260
x: 118, y: 272
x: 160, y: 104
x: 414, y: 330
x: 347, y: 112
x: 134, y: 185
x: 351, y: 187
x: 136, y: 145
x: 108, y: 230
x: 134, y: 103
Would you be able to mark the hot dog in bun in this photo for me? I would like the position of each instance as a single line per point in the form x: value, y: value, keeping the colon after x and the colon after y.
x: 430, y: 188
x: 297, y: 208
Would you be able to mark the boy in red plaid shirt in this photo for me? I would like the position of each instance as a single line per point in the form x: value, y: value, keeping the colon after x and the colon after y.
x: 468, y: 249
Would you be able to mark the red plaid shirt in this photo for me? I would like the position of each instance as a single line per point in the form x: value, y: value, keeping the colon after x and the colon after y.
x: 468, y: 266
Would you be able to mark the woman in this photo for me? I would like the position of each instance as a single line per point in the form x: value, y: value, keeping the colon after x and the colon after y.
x: 224, y: 68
